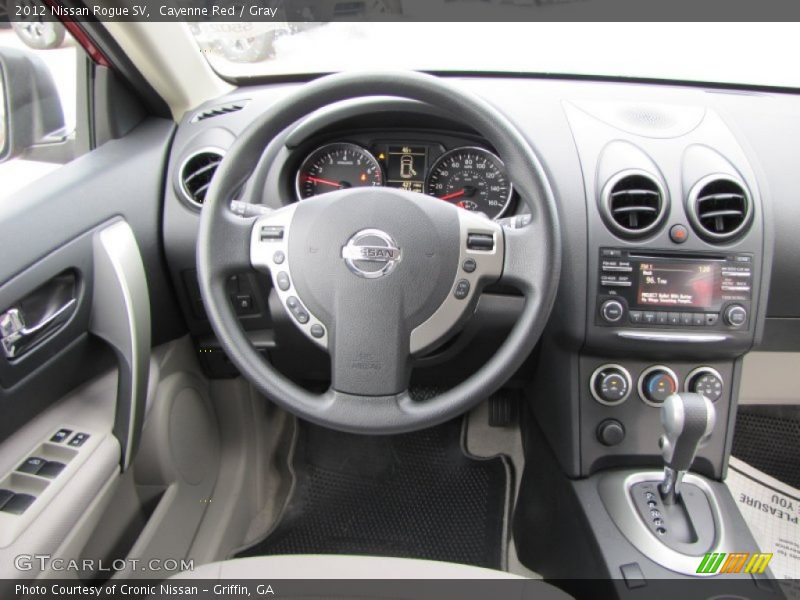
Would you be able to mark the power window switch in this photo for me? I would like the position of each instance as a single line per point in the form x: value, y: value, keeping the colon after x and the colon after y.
x: 78, y: 440
x: 61, y: 436
x: 32, y: 466
x: 18, y: 504
x: 5, y: 496
x: 51, y: 469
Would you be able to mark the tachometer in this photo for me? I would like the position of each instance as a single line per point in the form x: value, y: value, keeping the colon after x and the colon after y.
x: 472, y: 178
x: 335, y: 167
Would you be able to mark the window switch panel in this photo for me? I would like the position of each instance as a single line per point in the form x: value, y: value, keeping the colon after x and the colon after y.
x: 61, y: 436
x: 78, y: 439
x: 5, y: 496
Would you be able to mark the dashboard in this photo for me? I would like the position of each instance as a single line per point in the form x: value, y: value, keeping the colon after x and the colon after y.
x: 675, y: 263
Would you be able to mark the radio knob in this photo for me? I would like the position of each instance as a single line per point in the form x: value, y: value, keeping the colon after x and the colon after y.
x: 735, y: 315
x: 612, y: 311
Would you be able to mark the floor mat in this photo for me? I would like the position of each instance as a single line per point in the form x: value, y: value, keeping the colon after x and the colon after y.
x: 768, y: 438
x: 414, y: 495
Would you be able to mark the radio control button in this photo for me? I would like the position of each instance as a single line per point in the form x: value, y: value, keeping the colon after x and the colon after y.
x: 636, y: 316
x: 649, y: 317
x: 662, y: 318
x: 711, y: 319
x: 686, y: 318
x: 612, y: 311
x: 735, y: 315
x: 698, y: 319
x: 674, y: 318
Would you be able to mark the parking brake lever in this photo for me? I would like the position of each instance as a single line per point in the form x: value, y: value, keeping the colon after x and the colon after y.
x: 688, y: 420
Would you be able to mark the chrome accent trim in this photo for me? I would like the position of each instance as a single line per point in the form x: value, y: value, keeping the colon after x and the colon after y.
x: 693, y: 338
x: 647, y: 372
x: 261, y: 257
x: 184, y: 192
x: 625, y: 373
x: 121, y: 316
x: 615, y: 493
x: 18, y: 338
x: 605, y: 204
x: 489, y: 268
x: 691, y: 208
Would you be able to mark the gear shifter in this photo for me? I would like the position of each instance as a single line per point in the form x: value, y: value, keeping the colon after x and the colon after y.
x: 688, y: 420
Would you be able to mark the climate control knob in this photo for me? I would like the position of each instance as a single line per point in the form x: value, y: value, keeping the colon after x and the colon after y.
x: 610, y: 384
x: 656, y: 384
x: 705, y: 381
x: 735, y: 315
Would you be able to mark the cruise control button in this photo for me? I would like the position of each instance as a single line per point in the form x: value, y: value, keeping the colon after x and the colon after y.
x: 32, y: 465
x: 271, y: 233
x: 469, y: 265
x: 462, y: 289
x: 317, y: 330
x: 301, y: 316
x: 283, y: 281
x: 292, y: 303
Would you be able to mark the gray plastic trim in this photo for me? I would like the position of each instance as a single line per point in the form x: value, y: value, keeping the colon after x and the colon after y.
x: 121, y: 317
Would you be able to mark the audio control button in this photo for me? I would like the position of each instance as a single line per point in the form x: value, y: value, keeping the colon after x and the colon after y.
x: 735, y: 315
x: 612, y: 311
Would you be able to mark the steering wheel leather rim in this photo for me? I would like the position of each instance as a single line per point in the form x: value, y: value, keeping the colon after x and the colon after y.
x: 532, y: 256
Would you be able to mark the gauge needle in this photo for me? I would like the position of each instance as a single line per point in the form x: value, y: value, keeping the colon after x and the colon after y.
x: 324, y: 181
x: 457, y: 194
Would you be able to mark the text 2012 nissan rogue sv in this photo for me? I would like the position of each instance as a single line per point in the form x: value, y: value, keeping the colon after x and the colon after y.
x: 347, y: 302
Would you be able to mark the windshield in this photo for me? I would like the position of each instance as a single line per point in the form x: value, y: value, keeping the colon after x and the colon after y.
x: 729, y: 53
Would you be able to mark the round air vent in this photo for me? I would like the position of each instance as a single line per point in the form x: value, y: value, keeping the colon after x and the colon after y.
x: 197, y: 172
x: 719, y: 208
x: 633, y: 204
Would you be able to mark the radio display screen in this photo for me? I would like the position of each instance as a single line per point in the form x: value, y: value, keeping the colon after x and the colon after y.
x: 680, y: 284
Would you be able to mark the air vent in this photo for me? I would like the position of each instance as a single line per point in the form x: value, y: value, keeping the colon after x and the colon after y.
x: 633, y: 204
x: 719, y: 208
x: 216, y: 111
x: 197, y: 172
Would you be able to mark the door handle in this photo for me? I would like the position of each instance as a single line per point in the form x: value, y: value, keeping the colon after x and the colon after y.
x: 18, y: 338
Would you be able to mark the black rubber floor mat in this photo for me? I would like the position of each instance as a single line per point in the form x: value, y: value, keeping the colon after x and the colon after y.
x: 414, y: 495
x: 768, y: 438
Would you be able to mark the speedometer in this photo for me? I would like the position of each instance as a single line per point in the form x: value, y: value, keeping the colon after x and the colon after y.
x: 471, y: 178
x: 337, y: 167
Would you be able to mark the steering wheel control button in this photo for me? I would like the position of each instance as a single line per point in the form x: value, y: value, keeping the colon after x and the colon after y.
x: 60, y: 436
x: 282, y: 279
x: 612, y: 311
x: 610, y: 384
x: 462, y: 289
x: 705, y: 381
x: 483, y: 242
x: 678, y: 234
x: 735, y: 315
x: 78, y: 440
x: 18, y: 504
x: 297, y: 310
x: 317, y: 330
x: 51, y: 469
x: 271, y: 233
x: 610, y: 432
x: 32, y: 465
x: 469, y: 265
x: 278, y: 258
x: 371, y: 253
x: 656, y: 384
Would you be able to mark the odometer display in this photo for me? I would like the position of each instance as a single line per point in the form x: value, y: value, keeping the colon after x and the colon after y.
x: 336, y: 167
x: 471, y: 178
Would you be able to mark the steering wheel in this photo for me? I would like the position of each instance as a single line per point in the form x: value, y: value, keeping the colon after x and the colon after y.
x: 377, y: 275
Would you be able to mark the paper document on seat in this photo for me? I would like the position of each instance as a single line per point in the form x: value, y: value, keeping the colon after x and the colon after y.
x: 772, y: 512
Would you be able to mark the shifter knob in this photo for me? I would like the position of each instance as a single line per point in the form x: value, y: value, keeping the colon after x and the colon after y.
x: 688, y: 420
